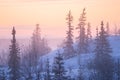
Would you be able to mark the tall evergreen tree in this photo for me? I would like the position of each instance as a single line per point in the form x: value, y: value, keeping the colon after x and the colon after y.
x: 39, y: 44
x: 91, y: 65
x: 68, y: 48
x: 81, y: 39
x: 14, y: 59
x: 36, y: 42
x: 88, y: 38
x: 58, y: 68
x: 36, y: 51
x: 39, y: 48
x: 103, y: 60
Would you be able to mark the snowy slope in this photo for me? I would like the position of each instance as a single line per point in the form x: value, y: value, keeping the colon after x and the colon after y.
x: 72, y: 64
x: 85, y: 58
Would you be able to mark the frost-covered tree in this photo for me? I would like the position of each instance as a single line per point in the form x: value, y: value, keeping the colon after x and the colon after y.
x: 81, y: 39
x: 35, y: 50
x: 68, y: 45
x: 94, y: 75
x: 103, y: 61
x: 88, y: 38
x: 58, y: 68
x: 14, y: 58
x: 39, y: 47
x: 36, y: 43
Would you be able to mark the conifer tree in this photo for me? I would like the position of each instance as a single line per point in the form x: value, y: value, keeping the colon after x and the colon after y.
x: 58, y: 68
x: 39, y: 44
x: 91, y: 64
x: 36, y: 51
x: 14, y: 59
x: 103, y: 60
x: 81, y: 39
x: 39, y: 48
x: 88, y: 38
x: 68, y: 48
x: 36, y: 42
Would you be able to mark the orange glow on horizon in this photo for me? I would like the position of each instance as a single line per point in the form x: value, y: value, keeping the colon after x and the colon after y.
x: 51, y: 15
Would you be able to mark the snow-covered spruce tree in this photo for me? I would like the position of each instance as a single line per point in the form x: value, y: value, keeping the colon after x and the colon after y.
x: 39, y: 48
x: 88, y: 38
x: 36, y: 43
x: 81, y: 39
x: 103, y: 61
x: 35, y: 49
x: 14, y: 59
x: 68, y: 45
x: 48, y: 72
x: 91, y: 65
x: 58, y: 68
x: 39, y: 44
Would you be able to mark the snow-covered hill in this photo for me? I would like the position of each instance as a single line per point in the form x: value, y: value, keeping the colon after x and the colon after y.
x: 73, y: 62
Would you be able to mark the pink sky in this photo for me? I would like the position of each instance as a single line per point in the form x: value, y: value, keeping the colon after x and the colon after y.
x: 51, y: 14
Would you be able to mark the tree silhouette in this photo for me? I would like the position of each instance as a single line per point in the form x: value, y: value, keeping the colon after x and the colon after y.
x: 103, y: 61
x: 81, y: 39
x: 68, y: 48
x: 14, y: 58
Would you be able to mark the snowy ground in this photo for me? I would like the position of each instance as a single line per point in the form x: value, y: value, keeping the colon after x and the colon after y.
x: 72, y: 64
